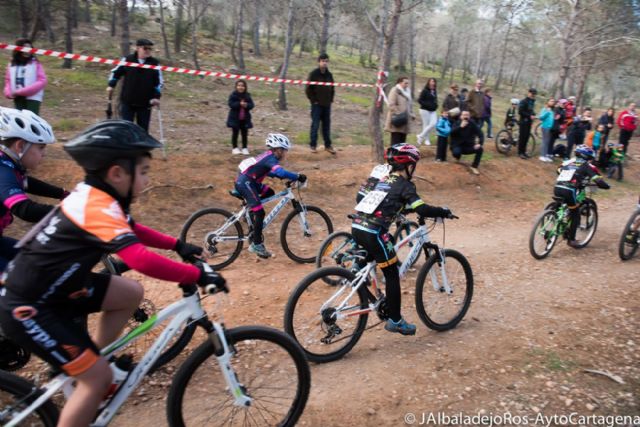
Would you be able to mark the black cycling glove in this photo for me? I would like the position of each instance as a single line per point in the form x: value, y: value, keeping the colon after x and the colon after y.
x: 302, y: 178
x: 187, y: 251
x: 211, y: 278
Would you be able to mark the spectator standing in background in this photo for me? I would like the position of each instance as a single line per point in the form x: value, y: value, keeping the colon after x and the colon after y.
x: 475, y: 103
x: 428, y: 101
x: 627, y: 122
x: 25, y: 79
x: 452, y: 100
x: 607, y: 119
x: 239, y: 118
x: 141, y: 88
x: 399, y: 113
x: 321, y: 98
x: 526, y: 110
x: 486, y: 113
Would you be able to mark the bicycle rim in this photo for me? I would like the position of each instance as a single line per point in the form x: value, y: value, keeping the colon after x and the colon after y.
x: 503, y: 142
x: 301, y: 239
x: 630, y: 239
x: 531, y: 145
x: 325, y: 331
x: 268, y: 364
x: 543, y: 236
x: 15, y: 395
x: 440, y: 308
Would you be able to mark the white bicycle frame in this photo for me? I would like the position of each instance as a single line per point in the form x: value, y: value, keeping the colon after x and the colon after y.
x: 420, y: 237
x: 286, y: 195
x: 180, y: 312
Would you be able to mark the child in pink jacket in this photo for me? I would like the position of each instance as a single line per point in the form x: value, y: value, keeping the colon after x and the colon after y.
x: 25, y: 79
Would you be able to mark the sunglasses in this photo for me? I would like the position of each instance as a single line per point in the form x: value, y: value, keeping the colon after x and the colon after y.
x: 148, y: 49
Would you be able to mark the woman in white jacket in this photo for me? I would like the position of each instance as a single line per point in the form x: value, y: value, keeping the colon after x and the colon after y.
x: 25, y: 80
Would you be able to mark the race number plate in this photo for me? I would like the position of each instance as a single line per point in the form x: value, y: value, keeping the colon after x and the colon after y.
x: 380, y: 171
x: 246, y: 164
x: 371, y: 201
x: 566, y: 175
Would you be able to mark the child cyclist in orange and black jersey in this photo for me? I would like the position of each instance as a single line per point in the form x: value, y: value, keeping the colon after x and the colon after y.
x: 249, y: 184
x: 573, y: 177
x: 50, y: 281
x: 371, y: 230
x: 23, y: 139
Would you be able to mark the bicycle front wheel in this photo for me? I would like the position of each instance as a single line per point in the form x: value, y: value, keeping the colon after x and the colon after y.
x: 630, y: 239
x: 212, y: 229
x: 16, y: 394
x: 268, y: 364
x: 327, y: 321
x: 300, y: 239
x: 339, y: 249
x: 588, y: 223
x: 543, y: 236
x: 503, y: 142
x: 444, y: 290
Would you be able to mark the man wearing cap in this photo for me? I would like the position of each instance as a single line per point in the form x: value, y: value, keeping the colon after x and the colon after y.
x: 451, y: 101
x: 526, y: 110
x: 141, y: 88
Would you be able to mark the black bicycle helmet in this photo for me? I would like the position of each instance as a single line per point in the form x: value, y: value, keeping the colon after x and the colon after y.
x: 101, y: 145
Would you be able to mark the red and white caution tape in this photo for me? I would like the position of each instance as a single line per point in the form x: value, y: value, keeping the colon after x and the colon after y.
x: 89, y: 58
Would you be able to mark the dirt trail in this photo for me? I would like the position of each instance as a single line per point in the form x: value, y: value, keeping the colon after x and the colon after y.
x: 532, y: 328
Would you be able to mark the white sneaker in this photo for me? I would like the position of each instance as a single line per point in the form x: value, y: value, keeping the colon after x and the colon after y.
x: 542, y: 158
x: 245, y: 151
x: 235, y: 151
x: 418, y: 140
x: 427, y: 141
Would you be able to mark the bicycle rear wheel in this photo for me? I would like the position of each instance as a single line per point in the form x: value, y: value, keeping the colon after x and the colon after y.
x: 271, y: 368
x: 630, y: 239
x: 222, y: 242
x: 339, y: 249
x: 438, y: 309
x: 588, y: 223
x: 543, y: 236
x: 531, y: 145
x: 16, y: 394
x: 312, y: 317
x: 504, y: 142
x: 300, y: 239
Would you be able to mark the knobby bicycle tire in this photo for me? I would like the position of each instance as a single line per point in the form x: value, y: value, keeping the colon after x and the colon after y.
x: 550, y: 236
x: 589, y: 206
x: 211, y: 248
x: 337, y: 251
x: 318, y: 277
x: 286, y: 245
x: 627, y: 235
x: 22, y: 390
x: 434, y: 261
x: 242, y: 340
x: 504, y: 142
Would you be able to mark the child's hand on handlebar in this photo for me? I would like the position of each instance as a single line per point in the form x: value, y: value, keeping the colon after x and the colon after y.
x: 210, y: 280
x: 187, y: 251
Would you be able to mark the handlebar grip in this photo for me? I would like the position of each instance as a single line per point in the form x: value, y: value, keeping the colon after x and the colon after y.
x: 211, y: 289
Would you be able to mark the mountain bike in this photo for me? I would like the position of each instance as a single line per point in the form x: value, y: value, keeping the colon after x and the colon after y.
x: 327, y: 312
x: 554, y: 222
x: 245, y: 375
x: 220, y: 232
x: 630, y: 239
x: 507, y: 138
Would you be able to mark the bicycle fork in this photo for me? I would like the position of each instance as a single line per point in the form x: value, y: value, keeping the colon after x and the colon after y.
x: 302, y: 210
x: 443, y: 284
x: 224, y: 355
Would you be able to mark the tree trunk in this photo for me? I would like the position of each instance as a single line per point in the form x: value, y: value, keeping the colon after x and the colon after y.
x: 389, y: 33
x: 179, y: 28
x: 412, y: 54
x: 68, y: 41
x: 124, y: 28
x: 303, y: 45
x: 465, y: 60
x: 163, y: 31
x: 87, y: 11
x: 445, y: 63
x: 326, y: 5
x: 503, y: 55
x: 516, y: 78
x: 237, y: 49
x: 75, y: 9
x: 487, y: 51
x: 288, y: 44
x: 402, y: 53
x: 133, y: 7
x: 269, y: 25
x: 567, y: 42
x: 24, y: 19
x: 256, y: 29
x: 114, y: 17
x: 42, y: 20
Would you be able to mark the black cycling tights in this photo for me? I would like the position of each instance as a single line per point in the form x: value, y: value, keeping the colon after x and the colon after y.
x: 393, y: 294
x: 574, y: 214
x: 257, y: 218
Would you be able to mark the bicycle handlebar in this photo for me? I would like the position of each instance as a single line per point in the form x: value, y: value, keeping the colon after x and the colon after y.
x: 211, y: 288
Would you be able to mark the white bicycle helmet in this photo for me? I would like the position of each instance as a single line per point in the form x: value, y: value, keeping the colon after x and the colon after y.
x: 278, y: 140
x: 26, y: 125
x: 515, y: 101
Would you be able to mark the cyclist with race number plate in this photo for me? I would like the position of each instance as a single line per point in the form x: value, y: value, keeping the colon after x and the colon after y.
x: 573, y: 176
x: 249, y: 184
x: 50, y: 282
x: 379, y: 202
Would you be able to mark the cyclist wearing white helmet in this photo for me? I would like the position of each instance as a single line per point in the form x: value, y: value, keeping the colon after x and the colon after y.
x: 23, y: 139
x: 249, y: 184
x: 511, y: 118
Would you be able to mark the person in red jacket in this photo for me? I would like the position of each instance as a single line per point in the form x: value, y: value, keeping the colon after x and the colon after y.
x: 627, y: 122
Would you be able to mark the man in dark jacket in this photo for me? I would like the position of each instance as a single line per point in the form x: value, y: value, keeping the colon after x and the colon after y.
x: 321, y: 98
x: 526, y: 110
x: 463, y: 140
x: 141, y: 88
